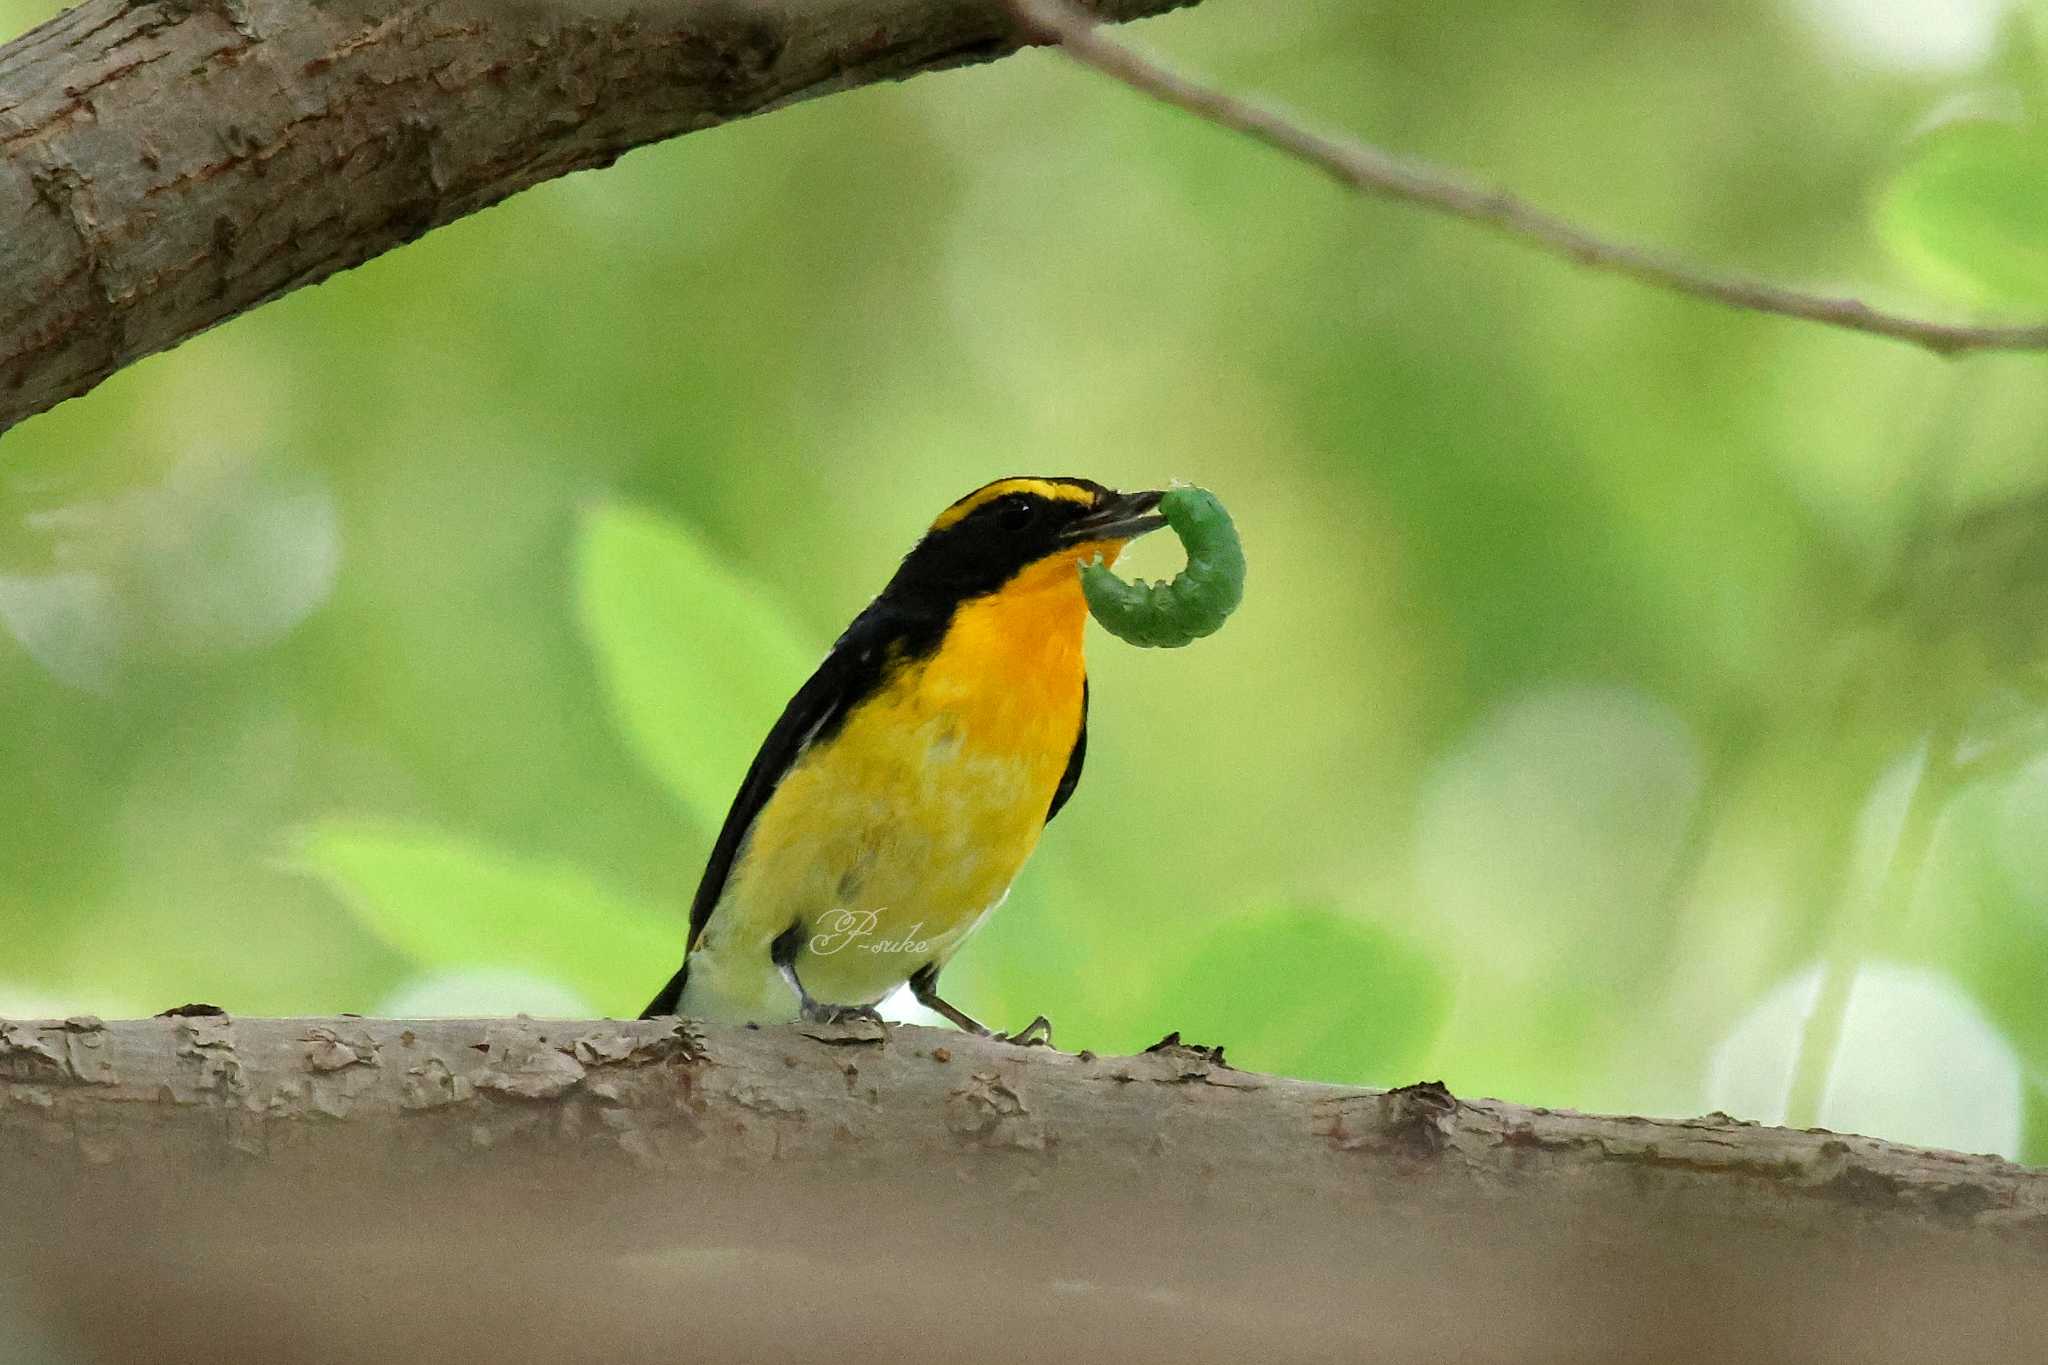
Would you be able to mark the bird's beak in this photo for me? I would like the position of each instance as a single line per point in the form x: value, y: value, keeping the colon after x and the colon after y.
x: 1119, y: 516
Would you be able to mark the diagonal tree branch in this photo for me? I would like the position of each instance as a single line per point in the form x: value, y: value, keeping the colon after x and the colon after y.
x: 167, y: 164
x: 1375, y: 171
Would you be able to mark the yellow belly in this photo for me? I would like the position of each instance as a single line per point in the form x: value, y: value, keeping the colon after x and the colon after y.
x: 890, y: 841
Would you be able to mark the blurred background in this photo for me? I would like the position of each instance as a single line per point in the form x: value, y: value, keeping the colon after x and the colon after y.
x: 1636, y: 705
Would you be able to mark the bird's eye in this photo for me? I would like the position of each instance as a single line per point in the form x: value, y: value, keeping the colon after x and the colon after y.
x: 1017, y: 516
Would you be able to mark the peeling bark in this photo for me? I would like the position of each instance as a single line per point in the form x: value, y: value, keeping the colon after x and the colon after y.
x: 620, y: 1190
x: 171, y: 163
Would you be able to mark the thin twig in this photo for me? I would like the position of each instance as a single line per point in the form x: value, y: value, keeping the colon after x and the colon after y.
x: 1375, y: 171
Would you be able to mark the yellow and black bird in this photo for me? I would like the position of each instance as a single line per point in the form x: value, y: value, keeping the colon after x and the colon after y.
x: 908, y: 781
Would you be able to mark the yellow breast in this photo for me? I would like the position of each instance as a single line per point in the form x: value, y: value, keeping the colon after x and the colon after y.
x: 890, y: 841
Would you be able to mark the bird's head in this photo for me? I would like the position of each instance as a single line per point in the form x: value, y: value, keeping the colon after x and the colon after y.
x: 1021, y: 534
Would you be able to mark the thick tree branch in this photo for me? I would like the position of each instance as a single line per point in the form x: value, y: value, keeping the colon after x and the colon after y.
x: 165, y: 165
x: 353, y: 1189
x: 1375, y: 171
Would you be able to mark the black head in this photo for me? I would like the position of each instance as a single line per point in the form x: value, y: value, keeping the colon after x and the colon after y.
x: 1001, y: 529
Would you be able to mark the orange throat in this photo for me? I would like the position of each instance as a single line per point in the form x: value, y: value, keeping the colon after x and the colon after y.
x: 1011, y: 664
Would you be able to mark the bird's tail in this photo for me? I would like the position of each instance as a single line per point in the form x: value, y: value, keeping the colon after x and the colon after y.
x: 670, y: 1000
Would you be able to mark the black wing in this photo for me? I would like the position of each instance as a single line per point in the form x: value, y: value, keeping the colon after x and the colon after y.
x: 850, y: 673
x: 1071, y: 778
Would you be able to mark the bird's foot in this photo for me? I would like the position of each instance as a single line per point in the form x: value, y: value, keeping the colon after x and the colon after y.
x: 815, y: 1013
x: 1037, y: 1033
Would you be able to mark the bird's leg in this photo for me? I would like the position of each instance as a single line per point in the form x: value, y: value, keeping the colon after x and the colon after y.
x: 783, y: 953
x: 924, y: 986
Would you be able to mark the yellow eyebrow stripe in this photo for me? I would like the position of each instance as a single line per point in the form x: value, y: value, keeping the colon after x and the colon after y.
x: 1002, y: 488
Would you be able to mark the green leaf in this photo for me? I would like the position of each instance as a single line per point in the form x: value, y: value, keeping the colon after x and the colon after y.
x: 696, y: 660
x: 446, y: 903
x: 1312, y: 993
x: 1969, y: 210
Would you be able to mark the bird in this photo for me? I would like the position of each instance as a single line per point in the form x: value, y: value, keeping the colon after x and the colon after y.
x: 909, y: 779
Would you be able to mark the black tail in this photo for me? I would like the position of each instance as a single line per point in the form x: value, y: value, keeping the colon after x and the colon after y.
x: 671, y: 995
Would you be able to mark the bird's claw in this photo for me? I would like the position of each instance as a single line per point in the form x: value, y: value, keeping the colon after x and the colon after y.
x: 815, y: 1013
x: 1037, y: 1033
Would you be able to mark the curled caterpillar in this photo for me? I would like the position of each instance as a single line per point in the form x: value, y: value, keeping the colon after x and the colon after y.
x: 1197, y: 600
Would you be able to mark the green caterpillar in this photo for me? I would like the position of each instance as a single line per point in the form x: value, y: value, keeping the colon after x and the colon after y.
x: 1198, y: 599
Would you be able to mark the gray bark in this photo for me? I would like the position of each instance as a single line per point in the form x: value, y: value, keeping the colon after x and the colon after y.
x: 171, y: 163
x: 355, y: 1189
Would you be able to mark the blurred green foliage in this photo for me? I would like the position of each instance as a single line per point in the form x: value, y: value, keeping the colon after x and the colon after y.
x: 399, y: 644
x: 691, y: 655
x: 1968, y: 204
x: 446, y: 905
